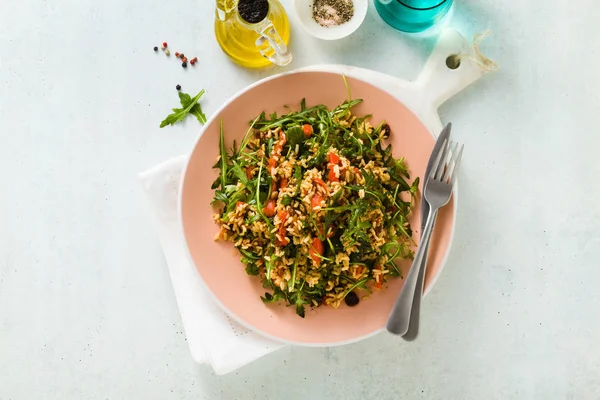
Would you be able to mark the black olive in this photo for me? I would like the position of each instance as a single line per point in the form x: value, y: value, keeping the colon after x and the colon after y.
x: 351, y: 299
x: 386, y: 131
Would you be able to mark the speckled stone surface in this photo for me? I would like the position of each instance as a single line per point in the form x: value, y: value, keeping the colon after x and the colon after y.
x: 86, y: 307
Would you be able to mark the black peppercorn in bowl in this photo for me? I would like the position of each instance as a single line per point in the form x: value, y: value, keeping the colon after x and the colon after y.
x: 330, y: 19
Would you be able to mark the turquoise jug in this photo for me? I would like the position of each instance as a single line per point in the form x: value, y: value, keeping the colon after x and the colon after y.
x: 412, y: 15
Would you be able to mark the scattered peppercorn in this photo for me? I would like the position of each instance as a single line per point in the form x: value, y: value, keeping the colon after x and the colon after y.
x: 155, y: 48
x: 184, y: 59
x: 178, y: 87
x: 177, y: 54
x: 351, y: 299
x: 167, y: 52
x: 195, y: 59
x: 192, y: 61
x: 165, y: 44
x: 181, y: 56
x: 184, y: 64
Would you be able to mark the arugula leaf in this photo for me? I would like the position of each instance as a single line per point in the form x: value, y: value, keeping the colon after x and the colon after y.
x: 189, y: 106
x: 415, y: 186
x: 298, y: 177
x: 295, y: 136
x: 286, y: 200
x: 277, y: 295
x: 253, y: 219
x: 360, y: 284
x: 223, y: 156
x: 259, y: 204
x: 297, y: 298
x: 300, y: 307
x: 347, y: 87
x: 247, y: 136
x: 196, y: 111
x: 220, y: 196
x: 269, y: 298
x: 251, y: 269
x: 216, y: 183
x: 269, y: 266
x: 293, y: 280
x: 239, y: 173
x: 248, y: 254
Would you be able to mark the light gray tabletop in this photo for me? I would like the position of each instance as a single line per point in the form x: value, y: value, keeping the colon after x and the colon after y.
x: 86, y: 307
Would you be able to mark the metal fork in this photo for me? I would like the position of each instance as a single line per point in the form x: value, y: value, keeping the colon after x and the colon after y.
x: 437, y: 193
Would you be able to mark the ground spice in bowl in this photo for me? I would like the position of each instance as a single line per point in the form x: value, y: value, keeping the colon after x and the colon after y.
x: 329, y: 13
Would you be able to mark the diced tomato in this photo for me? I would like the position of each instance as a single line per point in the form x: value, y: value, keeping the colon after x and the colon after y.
x: 334, y: 158
x: 308, y: 130
x: 282, y: 214
x: 272, y: 164
x: 283, y: 183
x: 269, y: 209
x: 321, y: 183
x: 249, y: 172
x: 284, y: 239
x: 274, y: 186
x: 317, y: 249
x: 239, y: 204
x: 316, y: 200
x: 284, y: 242
x: 331, y: 176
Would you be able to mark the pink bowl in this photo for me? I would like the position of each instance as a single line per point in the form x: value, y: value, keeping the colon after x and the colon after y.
x: 219, y: 264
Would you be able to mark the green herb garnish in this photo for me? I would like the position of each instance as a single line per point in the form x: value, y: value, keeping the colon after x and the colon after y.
x: 189, y: 106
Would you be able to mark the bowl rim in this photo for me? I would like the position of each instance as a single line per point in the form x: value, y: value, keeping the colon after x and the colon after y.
x: 188, y: 254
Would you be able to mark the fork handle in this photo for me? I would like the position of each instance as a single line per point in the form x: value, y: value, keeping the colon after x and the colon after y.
x: 399, y: 320
x: 415, y: 311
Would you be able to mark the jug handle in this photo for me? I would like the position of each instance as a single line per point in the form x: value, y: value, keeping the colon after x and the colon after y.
x: 271, y: 45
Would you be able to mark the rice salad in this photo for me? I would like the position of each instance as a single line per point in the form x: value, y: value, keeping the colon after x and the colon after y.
x: 316, y: 205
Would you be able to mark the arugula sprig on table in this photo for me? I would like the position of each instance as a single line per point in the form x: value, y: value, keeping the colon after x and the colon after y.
x: 189, y: 105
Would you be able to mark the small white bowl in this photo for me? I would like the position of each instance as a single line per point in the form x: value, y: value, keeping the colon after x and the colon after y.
x: 304, y: 10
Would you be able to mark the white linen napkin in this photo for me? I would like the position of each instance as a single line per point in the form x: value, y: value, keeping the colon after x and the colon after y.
x: 213, y: 337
